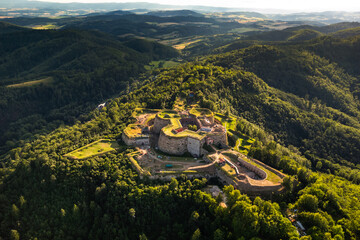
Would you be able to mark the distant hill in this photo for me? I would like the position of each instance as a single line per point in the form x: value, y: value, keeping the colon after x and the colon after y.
x: 175, y: 13
x: 9, y: 28
x: 328, y: 17
x: 347, y: 33
x: 302, y: 33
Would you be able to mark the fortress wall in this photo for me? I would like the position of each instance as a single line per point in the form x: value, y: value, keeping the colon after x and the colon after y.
x: 142, y: 141
x: 159, y: 123
x: 211, y: 119
x: 226, y: 179
x: 127, y: 140
x: 249, y: 188
x: 219, y: 138
x: 172, y: 145
x: 194, y: 146
x: 135, y: 141
x: 261, y: 173
x: 192, y: 121
x: 278, y: 173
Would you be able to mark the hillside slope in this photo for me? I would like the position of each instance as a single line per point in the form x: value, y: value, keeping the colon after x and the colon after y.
x: 79, y: 67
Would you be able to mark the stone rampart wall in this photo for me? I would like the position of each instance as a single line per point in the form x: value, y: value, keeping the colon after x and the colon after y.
x: 219, y: 138
x: 192, y: 121
x: 159, y: 123
x: 135, y: 141
x: 246, y: 186
x: 279, y: 174
x: 172, y: 145
x: 261, y: 173
x: 128, y: 141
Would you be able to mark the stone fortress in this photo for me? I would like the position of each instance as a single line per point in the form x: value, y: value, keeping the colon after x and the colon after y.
x: 176, y: 138
x: 178, y: 133
x: 167, y: 138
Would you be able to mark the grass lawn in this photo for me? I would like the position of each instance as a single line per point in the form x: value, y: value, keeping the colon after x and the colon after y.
x: 96, y: 148
x: 201, y: 112
x: 31, y: 83
x: 133, y: 130
x: 228, y: 122
x: 228, y: 169
x: 242, y: 143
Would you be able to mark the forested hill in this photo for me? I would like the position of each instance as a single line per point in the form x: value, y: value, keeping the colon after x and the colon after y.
x: 303, y: 32
x: 48, y: 196
x: 299, y: 101
x: 43, y: 71
x: 318, y: 84
x: 8, y: 27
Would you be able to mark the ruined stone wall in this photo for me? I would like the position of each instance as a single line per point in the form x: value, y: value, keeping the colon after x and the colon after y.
x: 172, y: 145
x: 219, y: 138
x: 159, y: 123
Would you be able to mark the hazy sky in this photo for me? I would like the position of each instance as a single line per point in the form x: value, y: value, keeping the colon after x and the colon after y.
x: 297, y: 5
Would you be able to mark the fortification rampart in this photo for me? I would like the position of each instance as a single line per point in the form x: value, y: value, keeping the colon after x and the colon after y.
x: 172, y: 145
x: 160, y: 123
x: 249, y: 187
x: 135, y: 141
x: 279, y: 174
x: 261, y: 173
x: 219, y: 138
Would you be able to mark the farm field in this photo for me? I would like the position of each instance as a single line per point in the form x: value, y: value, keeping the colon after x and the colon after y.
x: 96, y: 148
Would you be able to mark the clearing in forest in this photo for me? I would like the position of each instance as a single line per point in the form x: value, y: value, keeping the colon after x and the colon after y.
x: 96, y: 148
x: 31, y: 83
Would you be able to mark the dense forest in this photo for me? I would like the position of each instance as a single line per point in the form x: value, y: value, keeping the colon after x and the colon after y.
x: 68, y: 72
x: 299, y: 100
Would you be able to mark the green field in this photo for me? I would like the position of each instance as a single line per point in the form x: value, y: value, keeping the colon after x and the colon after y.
x: 228, y: 169
x: 167, y: 114
x: 244, y: 30
x: 201, y: 112
x: 227, y: 121
x: 242, y: 142
x: 133, y: 130
x: 31, y: 83
x: 96, y: 148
